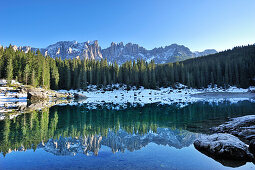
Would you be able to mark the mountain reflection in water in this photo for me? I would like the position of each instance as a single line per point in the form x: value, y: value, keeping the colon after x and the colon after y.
x: 68, y: 130
x: 119, y: 141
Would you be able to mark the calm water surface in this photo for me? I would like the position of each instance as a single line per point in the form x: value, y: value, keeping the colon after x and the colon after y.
x: 141, y: 137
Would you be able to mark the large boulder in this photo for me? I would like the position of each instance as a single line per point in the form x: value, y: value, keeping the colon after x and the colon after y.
x: 35, y: 95
x: 242, y: 127
x: 252, y: 146
x: 223, y: 146
x: 22, y: 90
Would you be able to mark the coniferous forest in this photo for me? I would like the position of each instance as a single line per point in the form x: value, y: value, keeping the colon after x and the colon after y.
x: 231, y: 67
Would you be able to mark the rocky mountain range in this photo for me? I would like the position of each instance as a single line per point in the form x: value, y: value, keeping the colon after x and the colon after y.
x: 117, y: 52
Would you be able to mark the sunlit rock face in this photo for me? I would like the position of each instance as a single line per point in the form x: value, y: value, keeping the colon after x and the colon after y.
x: 118, y: 141
x: 172, y: 53
x: 116, y: 52
x: 72, y: 49
x: 205, y: 52
x: 69, y: 50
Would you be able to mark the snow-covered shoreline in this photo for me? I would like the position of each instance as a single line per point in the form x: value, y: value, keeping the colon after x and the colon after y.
x: 11, y: 99
x: 119, y: 95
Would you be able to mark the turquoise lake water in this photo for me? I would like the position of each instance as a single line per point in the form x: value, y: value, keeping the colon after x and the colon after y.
x: 152, y: 136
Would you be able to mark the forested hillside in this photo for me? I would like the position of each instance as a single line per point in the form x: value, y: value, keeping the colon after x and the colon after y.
x: 231, y: 67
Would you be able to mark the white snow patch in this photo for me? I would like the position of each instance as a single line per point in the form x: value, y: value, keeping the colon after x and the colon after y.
x: 181, y: 95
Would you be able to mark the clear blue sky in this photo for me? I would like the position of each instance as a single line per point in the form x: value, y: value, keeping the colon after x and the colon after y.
x: 197, y: 24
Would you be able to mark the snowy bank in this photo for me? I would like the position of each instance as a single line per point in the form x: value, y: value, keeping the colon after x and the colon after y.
x: 182, y: 95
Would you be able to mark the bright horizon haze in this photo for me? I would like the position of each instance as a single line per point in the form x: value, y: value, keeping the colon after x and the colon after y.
x: 197, y: 24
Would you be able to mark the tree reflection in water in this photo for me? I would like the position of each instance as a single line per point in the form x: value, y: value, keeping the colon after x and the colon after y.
x: 68, y: 130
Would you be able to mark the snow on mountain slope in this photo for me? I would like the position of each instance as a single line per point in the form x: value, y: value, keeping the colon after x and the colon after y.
x: 117, y: 52
x: 205, y: 52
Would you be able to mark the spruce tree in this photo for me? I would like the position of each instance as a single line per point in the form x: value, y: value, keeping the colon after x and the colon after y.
x: 9, y: 71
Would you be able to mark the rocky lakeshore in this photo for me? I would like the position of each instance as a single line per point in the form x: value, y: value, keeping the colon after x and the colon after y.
x: 231, y: 143
x: 20, y: 99
x: 225, y: 95
x: 121, y: 94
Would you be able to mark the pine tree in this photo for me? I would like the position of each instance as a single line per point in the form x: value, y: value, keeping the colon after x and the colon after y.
x: 33, y: 79
x: 67, y: 75
x: 9, y: 71
x: 26, y: 73
x: 116, y: 72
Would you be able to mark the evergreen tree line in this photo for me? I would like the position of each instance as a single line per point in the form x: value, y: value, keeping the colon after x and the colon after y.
x: 231, y: 67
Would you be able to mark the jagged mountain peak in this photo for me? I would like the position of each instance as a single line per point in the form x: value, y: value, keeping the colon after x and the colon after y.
x: 74, y: 49
x: 72, y: 43
x: 117, y: 44
x: 205, y: 52
x: 118, y: 52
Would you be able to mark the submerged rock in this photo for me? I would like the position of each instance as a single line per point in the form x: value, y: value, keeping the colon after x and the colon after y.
x: 223, y: 146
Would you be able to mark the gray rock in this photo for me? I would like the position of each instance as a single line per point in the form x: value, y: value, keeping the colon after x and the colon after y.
x: 35, y: 95
x: 58, y: 95
x: 223, y: 146
x: 252, y: 146
x: 243, y: 127
x: 205, y: 52
x: 71, y: 49
x: 69, y: 97
x: 78, y: 96
x: 22, y: 90
x: 122, y: 53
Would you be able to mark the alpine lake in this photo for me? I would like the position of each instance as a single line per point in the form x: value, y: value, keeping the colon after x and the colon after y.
x: 152, y: 136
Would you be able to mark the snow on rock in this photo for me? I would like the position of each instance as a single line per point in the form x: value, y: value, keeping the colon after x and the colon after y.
x: 2, y: 116
x: 12, y: 98
x: 3, y: 82
x: 243, y: 127
x: 181, y: 94
x: 252, y: 146
x: 223, y: 146
x: 252, y: 89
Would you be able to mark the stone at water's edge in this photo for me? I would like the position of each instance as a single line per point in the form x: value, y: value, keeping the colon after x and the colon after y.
x: 36, y: 95
x: 78, y: 96
x: 252, y: 146
x: 223, y: 146
x: 243, y: 127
